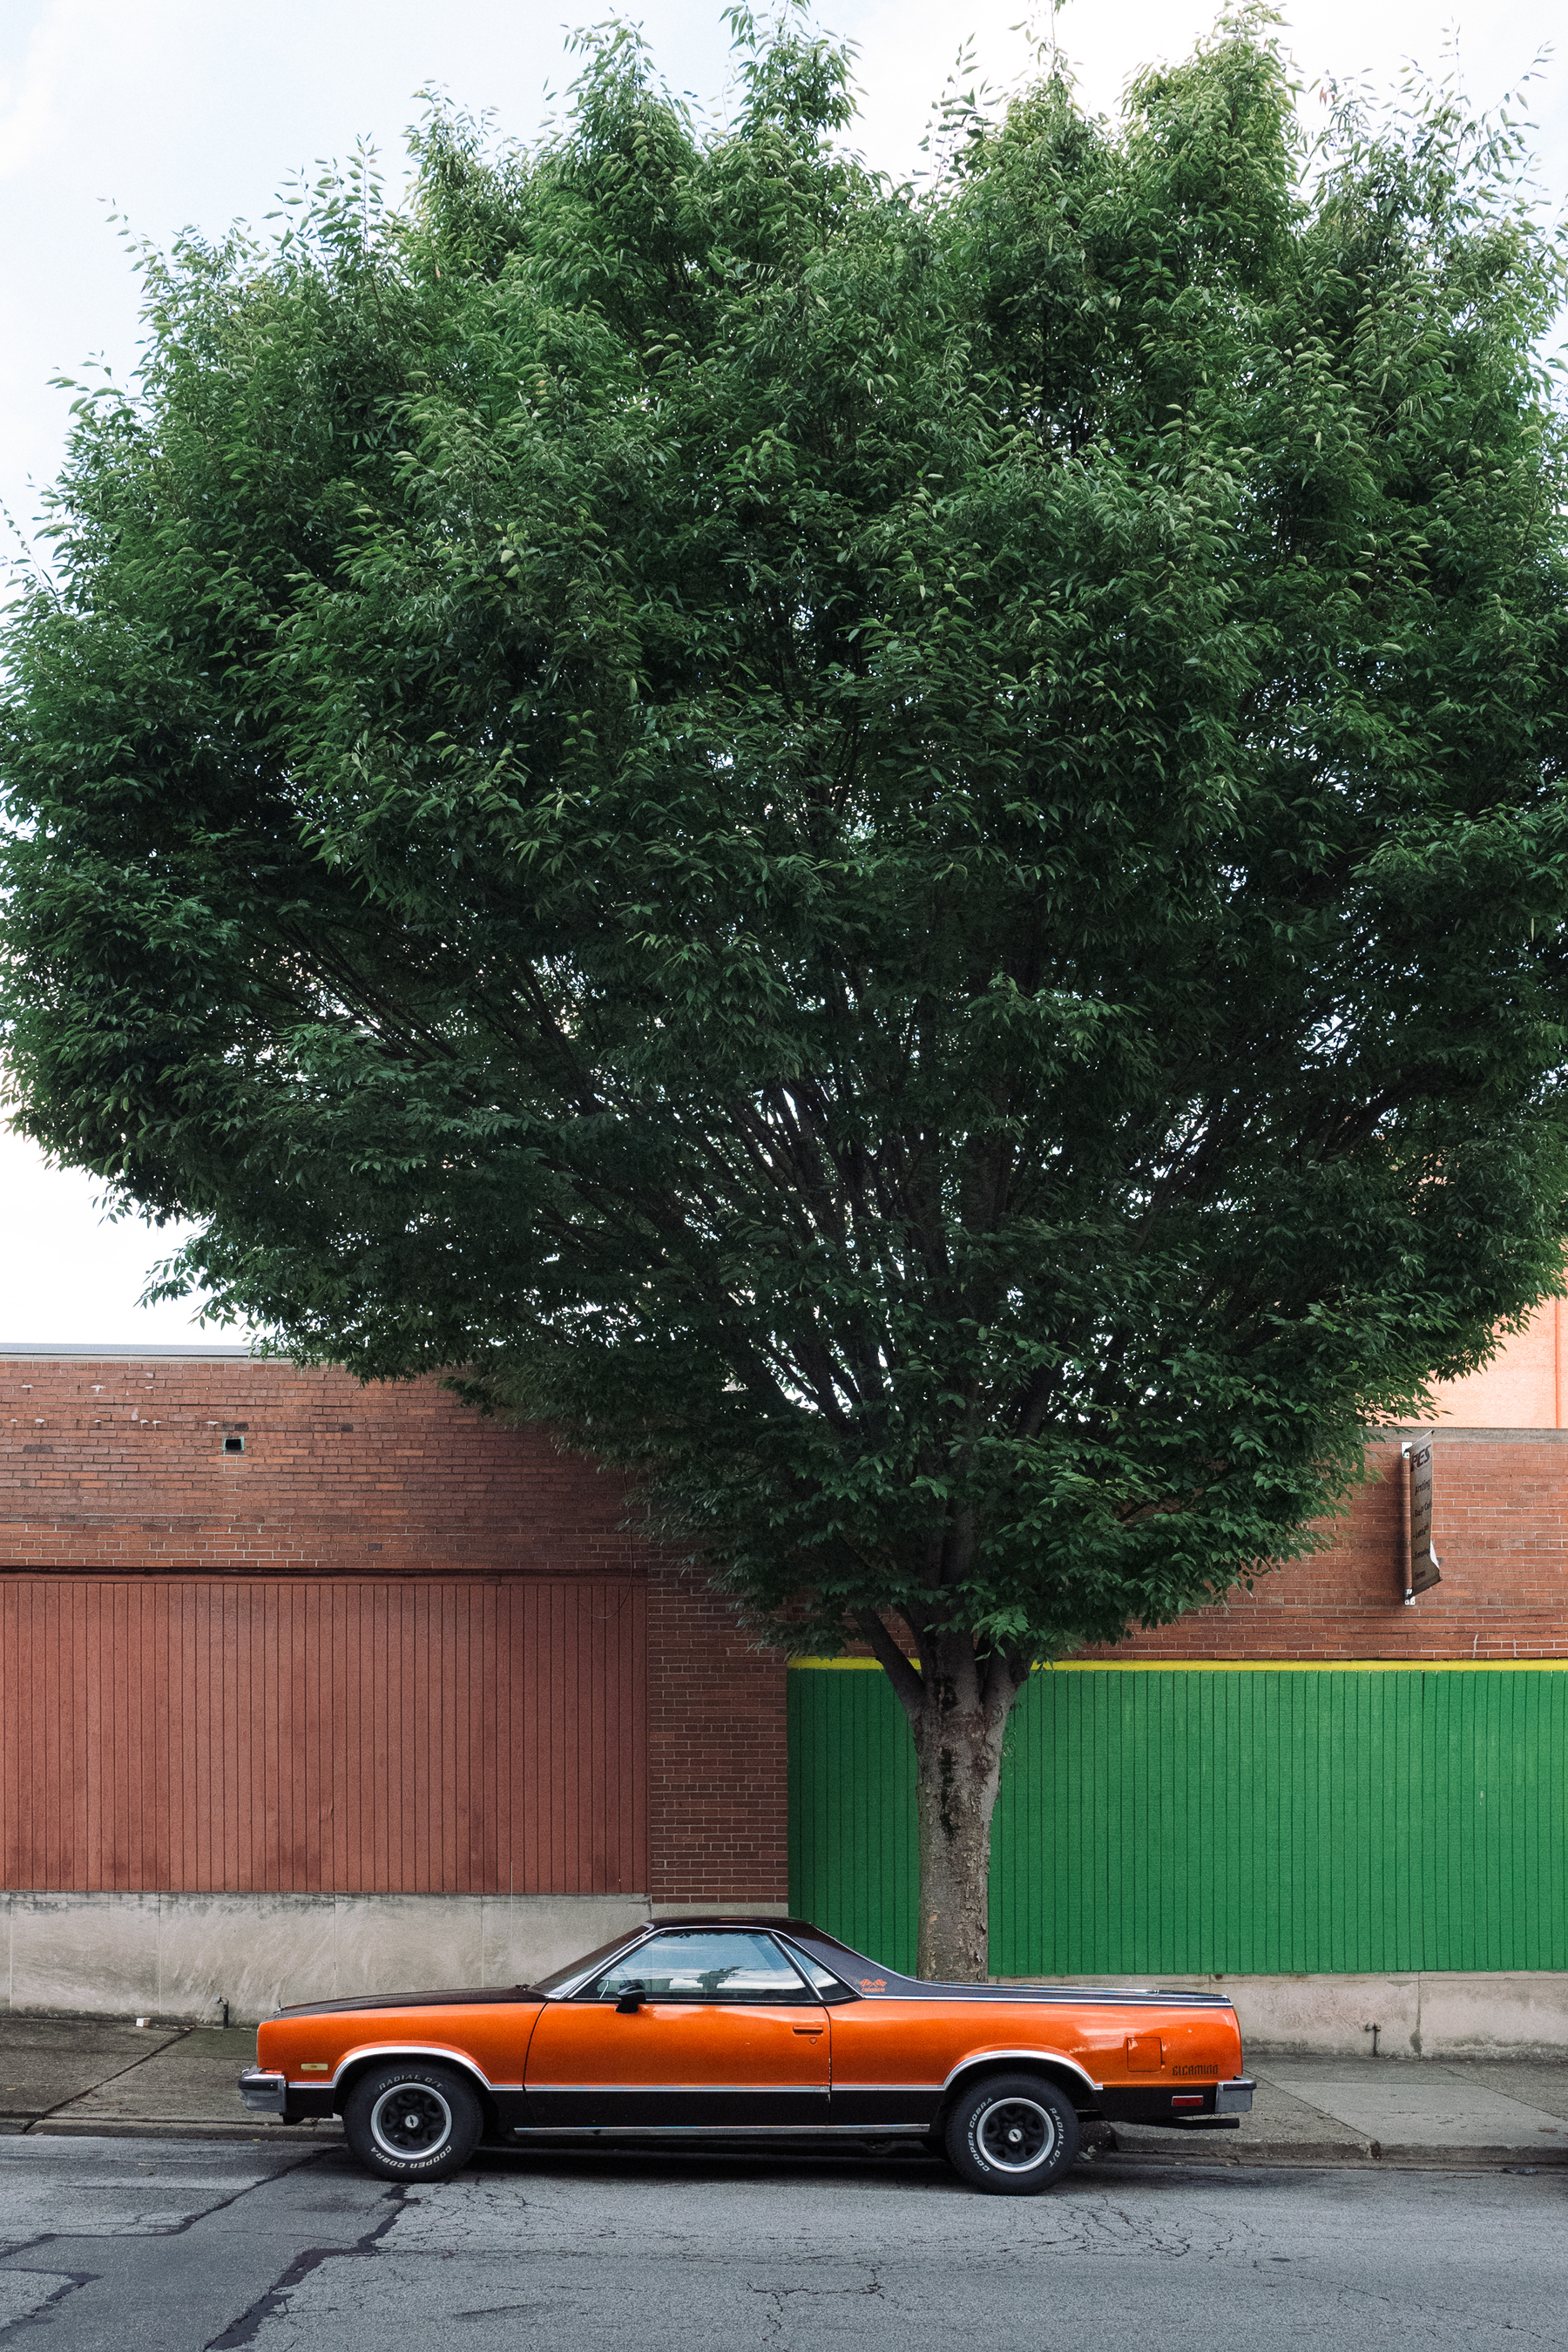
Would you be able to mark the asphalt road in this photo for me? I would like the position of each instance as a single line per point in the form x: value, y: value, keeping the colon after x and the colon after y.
x: 142, y: 2245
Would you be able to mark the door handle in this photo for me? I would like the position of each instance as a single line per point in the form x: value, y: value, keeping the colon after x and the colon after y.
x: 814, y: 2031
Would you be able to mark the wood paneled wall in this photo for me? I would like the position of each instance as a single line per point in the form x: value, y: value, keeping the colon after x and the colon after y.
x: 304, y: 1736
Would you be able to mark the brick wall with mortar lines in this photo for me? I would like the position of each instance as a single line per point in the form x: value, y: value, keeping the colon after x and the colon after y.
x: 118, y: 1464
x: 1500, y: 1527
x: 114, y: 1469
x: 718, y: 1759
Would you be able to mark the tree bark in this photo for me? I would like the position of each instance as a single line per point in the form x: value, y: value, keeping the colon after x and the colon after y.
x: 958, y: 1700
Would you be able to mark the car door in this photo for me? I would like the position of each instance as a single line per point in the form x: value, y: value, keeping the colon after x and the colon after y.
x: 726, y: 2035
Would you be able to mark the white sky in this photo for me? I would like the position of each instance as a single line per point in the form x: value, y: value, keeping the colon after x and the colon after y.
x: 177, y: 111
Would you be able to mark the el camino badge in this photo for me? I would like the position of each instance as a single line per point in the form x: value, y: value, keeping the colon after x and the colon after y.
x: 873, y: 1984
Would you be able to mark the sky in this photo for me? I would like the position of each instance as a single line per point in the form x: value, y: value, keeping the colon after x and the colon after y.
x: 142, y: 116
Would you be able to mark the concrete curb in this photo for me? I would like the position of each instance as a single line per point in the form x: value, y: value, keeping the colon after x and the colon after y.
x: 322, y: 2135
x: 1375, y: 2155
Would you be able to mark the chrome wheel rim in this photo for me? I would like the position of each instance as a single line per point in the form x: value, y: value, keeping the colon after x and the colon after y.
x: 411, y: 2119
x: 1015, y: 2135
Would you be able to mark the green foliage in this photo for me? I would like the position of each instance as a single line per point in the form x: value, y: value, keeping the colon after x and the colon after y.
x: 899, y: 855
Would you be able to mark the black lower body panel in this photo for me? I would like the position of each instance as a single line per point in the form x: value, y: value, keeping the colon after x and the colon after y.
x: 619, y: 2108
x: 305, y: 2107
x: 1156, y: 2104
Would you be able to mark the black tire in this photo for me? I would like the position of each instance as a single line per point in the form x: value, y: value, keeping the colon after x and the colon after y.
x: 427, y: 2134
x: 1011, y: 2135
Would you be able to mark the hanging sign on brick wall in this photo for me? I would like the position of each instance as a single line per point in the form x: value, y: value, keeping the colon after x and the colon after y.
x: 1422, y: 1568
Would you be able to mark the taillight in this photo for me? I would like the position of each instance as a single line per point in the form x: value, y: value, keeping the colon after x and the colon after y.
x: 1181, y: 2101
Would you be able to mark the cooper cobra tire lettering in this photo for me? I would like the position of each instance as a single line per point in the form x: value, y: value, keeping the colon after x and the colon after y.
x: 1011, y: 2135
x: 412, y: 2120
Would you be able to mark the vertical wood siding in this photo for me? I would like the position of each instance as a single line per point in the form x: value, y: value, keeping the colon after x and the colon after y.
x: 1171, y: 1822
x: 423, y: 1737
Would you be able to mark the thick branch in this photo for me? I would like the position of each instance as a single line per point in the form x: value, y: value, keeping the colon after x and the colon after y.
x: 905, y: 1678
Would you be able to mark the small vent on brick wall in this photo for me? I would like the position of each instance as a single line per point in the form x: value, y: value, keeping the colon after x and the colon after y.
x: 344, y: 1428
x: 37, y: 1449
x: 234, y: 1445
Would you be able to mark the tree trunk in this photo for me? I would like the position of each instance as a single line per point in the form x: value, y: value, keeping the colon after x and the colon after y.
x: 958, y: 1702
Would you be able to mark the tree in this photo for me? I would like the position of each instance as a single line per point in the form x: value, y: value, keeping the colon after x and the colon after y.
x: 899, y: 855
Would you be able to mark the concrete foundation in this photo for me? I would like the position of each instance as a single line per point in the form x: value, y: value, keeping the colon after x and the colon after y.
x: 183, y: 1956
x: 1430, y: 2013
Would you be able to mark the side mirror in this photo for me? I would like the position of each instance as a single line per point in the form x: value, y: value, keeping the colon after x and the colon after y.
x: 631, y: 2001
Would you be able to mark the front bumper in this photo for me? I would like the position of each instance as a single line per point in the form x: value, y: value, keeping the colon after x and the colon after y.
x: 264, y: 2094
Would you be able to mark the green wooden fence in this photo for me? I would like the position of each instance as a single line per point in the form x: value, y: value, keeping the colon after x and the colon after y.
x: 1185, y: 1819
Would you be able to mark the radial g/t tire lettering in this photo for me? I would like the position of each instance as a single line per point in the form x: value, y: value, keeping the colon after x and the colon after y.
x: 412, y: 2119
x: 1011, y: 2135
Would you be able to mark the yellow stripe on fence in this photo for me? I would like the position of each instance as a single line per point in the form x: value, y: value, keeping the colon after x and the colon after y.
x: 1235, y: 1665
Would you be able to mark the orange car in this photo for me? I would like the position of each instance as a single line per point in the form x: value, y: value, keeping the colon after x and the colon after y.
x: 751, y: 2029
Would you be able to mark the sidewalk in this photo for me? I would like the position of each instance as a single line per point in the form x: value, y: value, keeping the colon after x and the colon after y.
x: 1458, y: 2111
x: 89, y: 2075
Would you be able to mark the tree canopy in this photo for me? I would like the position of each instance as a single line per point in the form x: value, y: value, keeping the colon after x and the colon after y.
x: 896, y: 851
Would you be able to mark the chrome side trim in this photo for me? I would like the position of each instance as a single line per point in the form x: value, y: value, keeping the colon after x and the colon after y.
x: 406, y: 2049
x: 987, y: 2057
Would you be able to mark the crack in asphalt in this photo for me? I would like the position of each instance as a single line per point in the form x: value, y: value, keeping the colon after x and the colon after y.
x: 174, y: 2229
x: 274, y: 2303
x: 1433, y: 2325
x: 498, y: 2311
x: 42, y: 2316
x: 781, y: 2298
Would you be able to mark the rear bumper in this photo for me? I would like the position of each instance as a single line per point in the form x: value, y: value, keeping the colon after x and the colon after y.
x: 1218, y: 2106
x: 264, y: 2094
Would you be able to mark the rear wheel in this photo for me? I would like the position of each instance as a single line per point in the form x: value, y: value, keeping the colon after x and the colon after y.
x: 1012, y: 2134
x: 409, y: 2120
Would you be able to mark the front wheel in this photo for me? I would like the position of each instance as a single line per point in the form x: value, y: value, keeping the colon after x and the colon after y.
x: 413, y: 2121
x: 1012, y: 2134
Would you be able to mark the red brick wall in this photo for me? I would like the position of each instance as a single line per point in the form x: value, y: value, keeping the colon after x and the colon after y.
x: 1499, y: 1528
x: 113, y: 1471
x: 717, y: 1759
x: 118, y: 1463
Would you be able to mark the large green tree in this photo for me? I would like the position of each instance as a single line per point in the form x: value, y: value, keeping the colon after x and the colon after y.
x: 899, y: 854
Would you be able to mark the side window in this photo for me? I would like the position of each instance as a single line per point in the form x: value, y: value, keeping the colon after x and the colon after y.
x: 694, y: 1965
